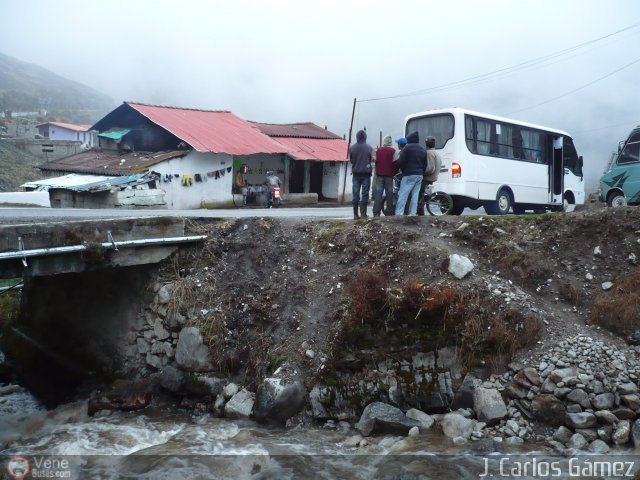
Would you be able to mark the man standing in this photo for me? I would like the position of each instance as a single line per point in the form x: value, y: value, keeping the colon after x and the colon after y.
x: 412, y: 162
x: 361, y: 156
x: 431, y: 171
x: 386, y: 168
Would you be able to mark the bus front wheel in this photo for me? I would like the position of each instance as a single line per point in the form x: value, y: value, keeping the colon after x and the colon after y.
x: 501, y: 205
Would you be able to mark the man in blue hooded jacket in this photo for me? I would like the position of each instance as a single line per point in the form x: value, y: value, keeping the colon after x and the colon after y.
x: 412, y: 162
x: 361, y: 156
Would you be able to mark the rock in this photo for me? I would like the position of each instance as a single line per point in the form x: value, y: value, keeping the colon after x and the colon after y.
x: 172, y: 379
x: 621, y: 432
x: 459, y: 266
x: 396, y: 397
x: 463, y: 398
x: 164, y: 294
x: 230, y: 390
x: 562, y: 434
x: 522, y: 380
x: 599, y: 447
x: 624, y: 413
x: 201, y: 385
x: 279, y: 399
x: 577, y: 441
x: 218, y: 405
x: 548, y: 409
x: 516, y: 391
x: 317, y: 408
x: 459, y: 441
x: 548, y: 386
x: 154, y: 361
x: 561, y: 392
x: 606, y: 417
x: 380, y: 417
x: 455, y: 425
x: 579, y: 396
x: 603, y: 401
x: 488, y: 405
x: 352, y: 441
x: 240, y: 405
x: 558, y: 375
x: 425, y: 420
x: 631, y: 400
x: 589, y: 434
x: 532, y: 375
x: 635, y: 434
x: 607, y: 286
x: 414, y: 431
x: 159, y: 331
x: 191, y: 353
x: 310, y: 353
x: 573, y: 408
x: 143, y: 346
x: 581, y: 420
x: 125, y: 401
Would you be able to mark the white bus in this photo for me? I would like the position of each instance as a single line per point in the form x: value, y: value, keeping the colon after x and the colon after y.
x: 499, y: 163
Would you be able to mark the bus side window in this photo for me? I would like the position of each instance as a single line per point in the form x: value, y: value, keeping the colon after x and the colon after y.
x: 470, y: 134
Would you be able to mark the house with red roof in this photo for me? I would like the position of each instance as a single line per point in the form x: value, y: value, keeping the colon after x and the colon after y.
x: 68, y: 132
x: 196, y: 153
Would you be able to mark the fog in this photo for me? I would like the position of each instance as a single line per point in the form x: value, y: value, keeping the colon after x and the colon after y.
x: 290, y: 61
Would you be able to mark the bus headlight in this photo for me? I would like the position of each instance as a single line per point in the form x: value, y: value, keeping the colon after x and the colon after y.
x: 456, y: 170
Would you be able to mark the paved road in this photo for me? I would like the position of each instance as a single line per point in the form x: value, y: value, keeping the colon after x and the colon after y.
x: 30, y: 215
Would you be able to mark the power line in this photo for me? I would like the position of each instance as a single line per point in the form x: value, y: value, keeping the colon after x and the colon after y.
x: 605, y: 127
x: 489, y: 76
x: 575, y: 89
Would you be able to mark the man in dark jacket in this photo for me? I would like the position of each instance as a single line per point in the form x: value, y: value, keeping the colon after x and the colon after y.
x: 386, y: 168
x: 412, y: 162
x: 361, y: 156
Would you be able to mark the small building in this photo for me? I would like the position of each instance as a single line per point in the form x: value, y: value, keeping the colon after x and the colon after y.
x: 196, y: 154
x: 58, y: 131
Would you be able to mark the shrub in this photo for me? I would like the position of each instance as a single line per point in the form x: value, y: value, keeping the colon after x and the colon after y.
x: 618, y: 310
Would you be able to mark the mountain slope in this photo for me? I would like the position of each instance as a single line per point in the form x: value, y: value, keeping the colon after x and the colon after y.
x: 28, y: 87
x: 17, y: 167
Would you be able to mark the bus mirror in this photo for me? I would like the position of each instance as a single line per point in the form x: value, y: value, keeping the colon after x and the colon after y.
x: 580, y: 162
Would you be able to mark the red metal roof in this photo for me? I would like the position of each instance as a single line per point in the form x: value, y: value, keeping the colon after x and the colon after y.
x: 68, y: 126
x: 302, y: 130
x: 210, y: 131
x: 333, y: 149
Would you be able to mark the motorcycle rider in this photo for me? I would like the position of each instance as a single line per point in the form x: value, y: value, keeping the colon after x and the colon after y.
x: 272, y: 181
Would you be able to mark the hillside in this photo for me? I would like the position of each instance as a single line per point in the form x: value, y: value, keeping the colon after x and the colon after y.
x: 23, y: 85
x: 17, y: 168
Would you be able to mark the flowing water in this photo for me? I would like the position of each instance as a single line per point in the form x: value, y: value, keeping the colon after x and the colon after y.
x: 165, y: 442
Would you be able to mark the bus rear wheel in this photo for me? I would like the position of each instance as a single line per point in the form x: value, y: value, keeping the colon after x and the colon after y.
x: 501, y: 205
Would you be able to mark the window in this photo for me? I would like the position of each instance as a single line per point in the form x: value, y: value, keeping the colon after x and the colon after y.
x: 506, y: 140
x: 570, y: 157
x: 438, y: 126
x: 630, y: 154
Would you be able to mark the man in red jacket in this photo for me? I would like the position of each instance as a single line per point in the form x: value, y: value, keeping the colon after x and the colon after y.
x: 386, y: 168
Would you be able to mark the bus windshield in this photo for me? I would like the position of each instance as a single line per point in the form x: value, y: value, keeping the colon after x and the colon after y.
x: 439, y: 126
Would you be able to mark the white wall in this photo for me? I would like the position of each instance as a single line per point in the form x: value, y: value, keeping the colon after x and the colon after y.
x: 333, y: 178
x: 210, y: 190
x: 260, y: 164
x: 58, y: 133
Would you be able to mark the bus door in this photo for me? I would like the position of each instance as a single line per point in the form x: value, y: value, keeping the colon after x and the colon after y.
x: 556, y: 173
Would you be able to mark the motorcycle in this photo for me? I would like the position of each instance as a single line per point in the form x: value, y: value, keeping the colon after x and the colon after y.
x: 274, y: 197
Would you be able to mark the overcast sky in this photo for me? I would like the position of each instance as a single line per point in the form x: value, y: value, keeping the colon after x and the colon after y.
x: 295, y: 60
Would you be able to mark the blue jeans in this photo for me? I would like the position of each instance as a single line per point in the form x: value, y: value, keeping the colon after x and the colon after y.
x: 360, y: 182
x: 410, y: 186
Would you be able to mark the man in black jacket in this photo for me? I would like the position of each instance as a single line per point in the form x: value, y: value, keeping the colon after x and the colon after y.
x: 412, y: 162
x: 361, y: 156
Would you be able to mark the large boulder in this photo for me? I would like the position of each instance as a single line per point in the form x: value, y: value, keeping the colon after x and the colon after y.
x: 240, y: 405
x: 459, y: 265
x: 426, y: 421
x: 172, y: 379
x: 380, y: 417
x: 191, y: 353
x: 548, y: 409
x: 455, y: 425
x: 489, y: 405
x: 279, y: 397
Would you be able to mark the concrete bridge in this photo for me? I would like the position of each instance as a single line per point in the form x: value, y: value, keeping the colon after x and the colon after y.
x: 42, y: 249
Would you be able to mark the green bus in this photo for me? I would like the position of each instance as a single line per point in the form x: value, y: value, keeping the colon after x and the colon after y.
x: 620, y: 183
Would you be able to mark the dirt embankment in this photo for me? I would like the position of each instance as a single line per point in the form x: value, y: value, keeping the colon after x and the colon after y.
x: 270, y: 291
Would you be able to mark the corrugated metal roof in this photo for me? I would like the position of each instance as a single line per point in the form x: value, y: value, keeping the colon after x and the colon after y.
x: 210, y: 131
x: 68, y: 126
x: 110, y: 163
x: 334, y: 150
x: 89, y: 183
x: 303, y: 130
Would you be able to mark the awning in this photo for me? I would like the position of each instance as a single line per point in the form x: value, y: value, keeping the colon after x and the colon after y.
x: 116, y: 134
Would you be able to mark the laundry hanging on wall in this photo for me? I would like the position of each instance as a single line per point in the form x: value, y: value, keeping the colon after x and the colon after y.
x: 187, y: 180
